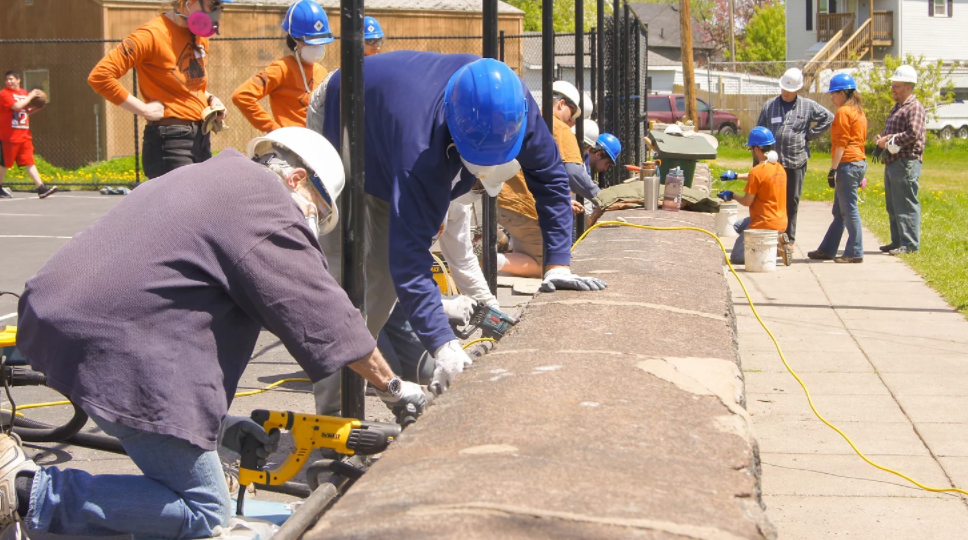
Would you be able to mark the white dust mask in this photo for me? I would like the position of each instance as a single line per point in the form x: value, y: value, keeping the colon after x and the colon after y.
x: 312, y: 53
x: 492, y: 177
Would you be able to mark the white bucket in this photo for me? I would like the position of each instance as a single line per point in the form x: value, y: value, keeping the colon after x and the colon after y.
x: 726, y: 218
x: 760, y: 251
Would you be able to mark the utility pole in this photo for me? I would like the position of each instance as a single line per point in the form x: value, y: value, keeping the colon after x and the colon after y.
x: 732, y: 32
x: 688, y: 68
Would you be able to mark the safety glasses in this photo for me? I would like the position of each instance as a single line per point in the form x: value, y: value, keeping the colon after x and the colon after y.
x: 375, y: 42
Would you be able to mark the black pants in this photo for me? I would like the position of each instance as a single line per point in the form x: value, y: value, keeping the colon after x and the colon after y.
x: 168, y: 147
x: 794, y: 191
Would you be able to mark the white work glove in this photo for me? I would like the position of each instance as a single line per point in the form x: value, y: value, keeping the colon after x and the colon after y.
x: 562, y: 279
x: 459, y: 309
x: 450, y: 360
x: 235, y: 429
x: 408, y: 404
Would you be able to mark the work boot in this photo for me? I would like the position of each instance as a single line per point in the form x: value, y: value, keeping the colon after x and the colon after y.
x: 818, y: 255
x: 888, y: 247
x: 13, y: 460
x: 786, y: 249
x: 43, y: 191
x: 856, y: 260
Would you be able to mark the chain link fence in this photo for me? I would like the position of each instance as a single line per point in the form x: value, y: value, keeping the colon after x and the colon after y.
x: 92, y: 142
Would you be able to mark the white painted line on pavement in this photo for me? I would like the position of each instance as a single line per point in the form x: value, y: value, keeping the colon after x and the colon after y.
x: 30, y: 236
x: 8, y: 316
x: 27, y: 215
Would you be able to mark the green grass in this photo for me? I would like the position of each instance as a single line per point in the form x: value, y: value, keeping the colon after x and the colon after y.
x: 943, y: 257
x: 114, y: 172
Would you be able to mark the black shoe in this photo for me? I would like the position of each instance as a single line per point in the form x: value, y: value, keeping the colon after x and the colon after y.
x: 43, y: 191
x: 818, y: 255
x: 888, y: 247
x: 5, y: 193
x: 848, y: 259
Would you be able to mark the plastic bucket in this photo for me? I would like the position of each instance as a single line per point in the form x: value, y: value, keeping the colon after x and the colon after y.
x: 760, y: 246
x: 726, y: 218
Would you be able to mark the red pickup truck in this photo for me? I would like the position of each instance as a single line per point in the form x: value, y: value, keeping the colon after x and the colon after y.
x: 670, y: 108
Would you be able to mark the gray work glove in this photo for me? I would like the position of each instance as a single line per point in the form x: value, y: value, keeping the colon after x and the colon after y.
x: 408, y: 403
x: 235, y: 429
x: 562, y: 279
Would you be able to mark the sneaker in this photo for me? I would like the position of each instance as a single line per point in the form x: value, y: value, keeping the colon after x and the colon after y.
x: 12, y: 461
x: 786, y: 249
x: 848, y: 259
x: 5, y: 193
x: 43, y: 191
x: 888, y: 247
x: 819, y: 256
x: 902, y: 250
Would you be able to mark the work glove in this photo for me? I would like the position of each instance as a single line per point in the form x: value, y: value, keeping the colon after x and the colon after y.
x: 832, y: 178
x: 235, y: 429
x: 450, y: 360
x: 877, y: 156
x: 409, y: 405
x: 725, y: 195
x: 562, y: 279
x: 728, y: 175
x: 459, y: 309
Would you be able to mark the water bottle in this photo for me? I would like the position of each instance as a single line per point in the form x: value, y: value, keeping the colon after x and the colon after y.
x: 674, y: 183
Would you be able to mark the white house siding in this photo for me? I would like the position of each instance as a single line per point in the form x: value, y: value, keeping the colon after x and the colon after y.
x: 798, y: 38
x: 944, y: 38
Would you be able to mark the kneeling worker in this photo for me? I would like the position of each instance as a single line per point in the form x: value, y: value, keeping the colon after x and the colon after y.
x: 765, y: 195
x: 148, y: 318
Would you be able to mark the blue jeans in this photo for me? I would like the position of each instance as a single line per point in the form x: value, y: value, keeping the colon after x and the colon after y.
x: 402, y: 350
x: 182, y: 494
x: 738, y: 255
x: 903, y: 207
x: 845, y: 211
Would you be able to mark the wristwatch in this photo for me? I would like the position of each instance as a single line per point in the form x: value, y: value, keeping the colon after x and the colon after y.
x: 394, y: 387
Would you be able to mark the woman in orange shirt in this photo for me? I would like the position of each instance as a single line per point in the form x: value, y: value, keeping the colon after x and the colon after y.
x: 847, y: 136
x: 289, y: 82
x: 170, y: 53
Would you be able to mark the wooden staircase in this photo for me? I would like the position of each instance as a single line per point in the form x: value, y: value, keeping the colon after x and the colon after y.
x: 846, y: 46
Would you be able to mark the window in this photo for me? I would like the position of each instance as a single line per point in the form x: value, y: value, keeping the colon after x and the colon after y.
x: 701, y: 106
x: 681, y: 104
x: 809, y: 15
x: 939, y: 8
x: 659, y: 104
x: 823, y: 7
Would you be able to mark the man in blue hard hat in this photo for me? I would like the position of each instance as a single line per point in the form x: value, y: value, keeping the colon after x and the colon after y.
x: 372, y: 36
x: 766, y: 193
x: 429, y: 118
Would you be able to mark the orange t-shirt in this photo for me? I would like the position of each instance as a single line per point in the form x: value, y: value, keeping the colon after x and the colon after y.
x: 288, y: 95
x: 849, y: 131
x: 768, y: 182
x: 515, y: 196
x: 171, y: 68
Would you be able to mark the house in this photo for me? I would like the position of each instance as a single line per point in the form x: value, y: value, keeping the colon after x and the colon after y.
x: 665, y: 44
x: 79, y: 127
x: 845, y: 29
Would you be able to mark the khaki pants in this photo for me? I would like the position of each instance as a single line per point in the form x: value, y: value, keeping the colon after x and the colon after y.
x: 380, y: 294
x: 525, y: 234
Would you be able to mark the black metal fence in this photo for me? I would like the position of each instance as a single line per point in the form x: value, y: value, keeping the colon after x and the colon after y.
x: 84, y: 135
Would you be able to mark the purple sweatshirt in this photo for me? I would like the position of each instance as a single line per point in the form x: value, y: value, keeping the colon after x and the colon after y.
x: 149, y: 317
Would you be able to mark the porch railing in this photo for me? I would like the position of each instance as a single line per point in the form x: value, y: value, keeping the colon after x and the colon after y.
x: 883, y: 26
x: 828, y: 24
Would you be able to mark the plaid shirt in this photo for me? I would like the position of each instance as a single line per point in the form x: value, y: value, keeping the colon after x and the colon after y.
x: 907, y: 121
x: 793, y: 130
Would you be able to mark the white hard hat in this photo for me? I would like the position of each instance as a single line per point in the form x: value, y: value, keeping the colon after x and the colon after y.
x: 587, y: 105
x: 568, y: 90
x: 906, y: 74
x: 591, y: 132
x: 792, y: 80
x: 318, y: 154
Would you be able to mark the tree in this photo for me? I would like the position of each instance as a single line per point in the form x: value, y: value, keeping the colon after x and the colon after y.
x: 934, y: 88
x: 713, y: 17
x: 765, y: 38
x: 564, y: 14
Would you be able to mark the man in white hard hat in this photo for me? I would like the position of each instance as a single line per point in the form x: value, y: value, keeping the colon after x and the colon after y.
x: 794, y: 121
x: 902, y: 144
x: 148, y: 318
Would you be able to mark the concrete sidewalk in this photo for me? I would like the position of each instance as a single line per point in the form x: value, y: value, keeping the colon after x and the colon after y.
x: 886, y: 360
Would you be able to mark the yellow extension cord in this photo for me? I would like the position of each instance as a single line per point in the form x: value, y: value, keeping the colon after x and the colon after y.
x: 776, y: 343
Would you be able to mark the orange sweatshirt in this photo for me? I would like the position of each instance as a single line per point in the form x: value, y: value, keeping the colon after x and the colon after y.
x: 288, y: 95
x: 849, y: 131
x: 171, y: 69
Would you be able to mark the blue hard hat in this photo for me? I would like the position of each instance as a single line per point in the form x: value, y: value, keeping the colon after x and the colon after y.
x: 371, y: 28
x: 841, y: 81
x: 307, y: 21
x: 610, y: 144
x: 486, y: 112
x: 760, y: 136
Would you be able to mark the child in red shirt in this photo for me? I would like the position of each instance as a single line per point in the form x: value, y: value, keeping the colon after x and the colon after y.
x: 16, y: 142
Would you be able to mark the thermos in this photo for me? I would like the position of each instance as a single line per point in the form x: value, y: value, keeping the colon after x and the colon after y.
x: 650, y: 185
x: 674, y: 183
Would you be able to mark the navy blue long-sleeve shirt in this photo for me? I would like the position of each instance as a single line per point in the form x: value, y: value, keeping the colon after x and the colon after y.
x: 411, y: 163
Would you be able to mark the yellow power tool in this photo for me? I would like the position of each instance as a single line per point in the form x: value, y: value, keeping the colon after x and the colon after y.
x: 344, y: 435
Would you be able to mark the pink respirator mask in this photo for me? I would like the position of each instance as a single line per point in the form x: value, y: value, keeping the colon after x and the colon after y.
x: 204, y: 24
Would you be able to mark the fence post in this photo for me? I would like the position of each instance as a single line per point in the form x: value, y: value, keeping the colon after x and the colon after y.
x: 600, y: 73
x: 352, y: 153
x: 615, y: 67
x: 137, y: 150
x: 490, y: 49
x: 593, y: 75
x: 580, y: 80
x: 547, y: 59
x: 637, y: 112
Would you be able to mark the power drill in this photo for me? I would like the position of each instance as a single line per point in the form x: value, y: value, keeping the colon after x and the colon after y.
x: 344, y: 435
x: 493, y: 323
